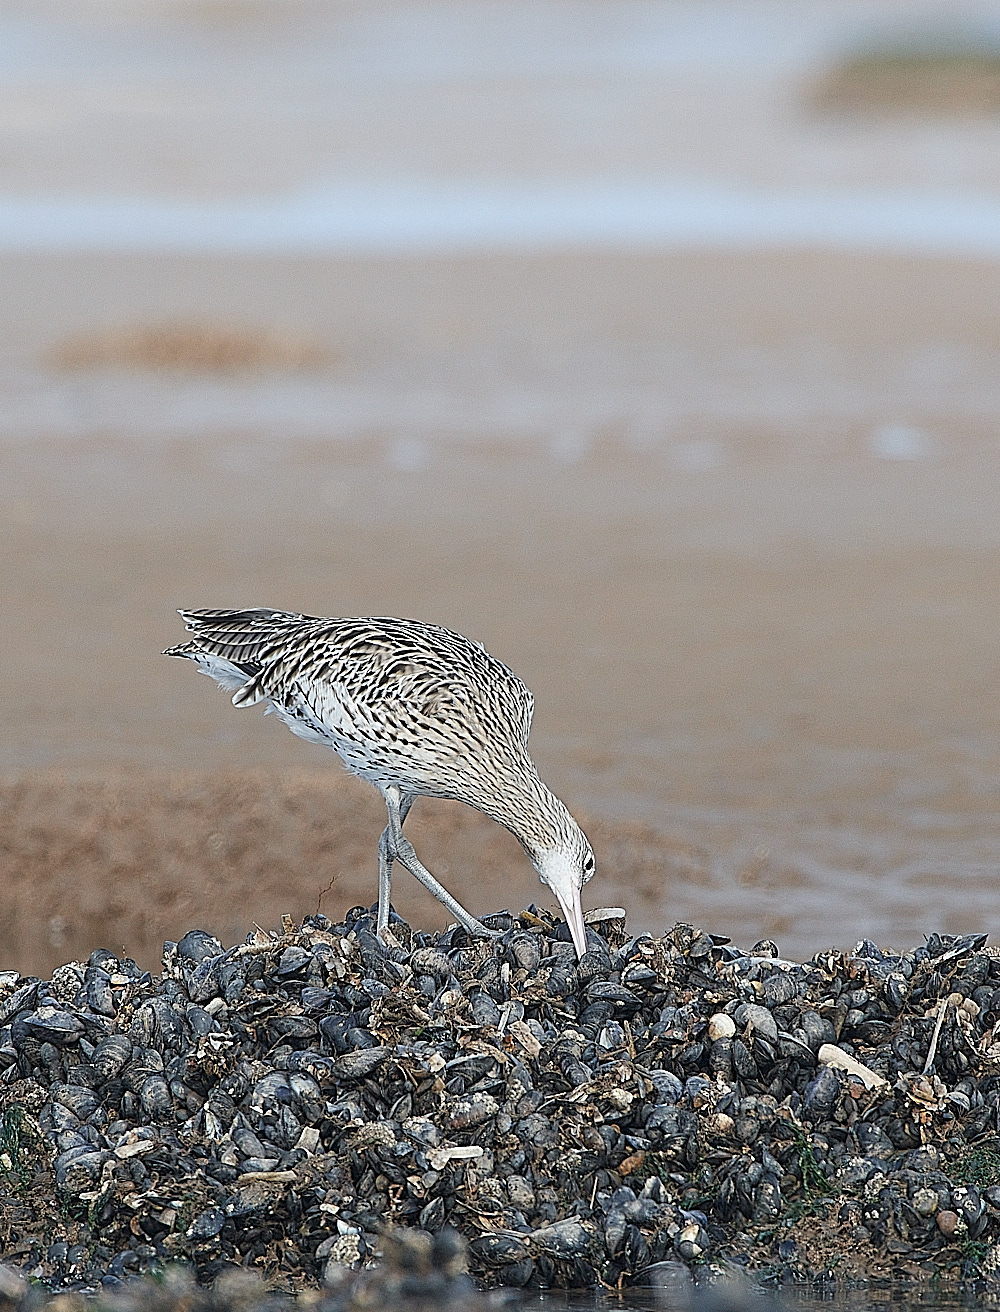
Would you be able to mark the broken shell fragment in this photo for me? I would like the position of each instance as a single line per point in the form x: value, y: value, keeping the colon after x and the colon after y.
x: 830, y: 1055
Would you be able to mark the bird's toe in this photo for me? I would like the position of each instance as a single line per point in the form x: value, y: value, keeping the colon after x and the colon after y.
x: 484, y: 931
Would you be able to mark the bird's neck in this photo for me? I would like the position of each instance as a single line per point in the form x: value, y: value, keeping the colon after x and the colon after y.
x: 528, y: 809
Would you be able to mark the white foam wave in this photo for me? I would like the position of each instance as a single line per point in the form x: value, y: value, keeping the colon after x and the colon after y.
x: 421, y: 219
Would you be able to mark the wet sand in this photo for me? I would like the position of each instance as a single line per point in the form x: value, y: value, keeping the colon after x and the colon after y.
x: 653, y: 485
x: 133, y: 861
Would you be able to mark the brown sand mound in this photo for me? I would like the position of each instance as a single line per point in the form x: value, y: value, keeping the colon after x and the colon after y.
x: 128, y: 862
x: 189, y: 347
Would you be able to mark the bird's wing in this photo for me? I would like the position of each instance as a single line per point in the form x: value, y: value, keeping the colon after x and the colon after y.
x: 397, y: 670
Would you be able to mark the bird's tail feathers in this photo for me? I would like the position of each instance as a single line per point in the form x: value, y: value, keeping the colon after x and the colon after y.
x: 246, y: 691
x: 250, y: 693
x: 248, y: 616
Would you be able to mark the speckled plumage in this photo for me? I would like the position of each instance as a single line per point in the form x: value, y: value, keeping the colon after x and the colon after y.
x: 415, y: 709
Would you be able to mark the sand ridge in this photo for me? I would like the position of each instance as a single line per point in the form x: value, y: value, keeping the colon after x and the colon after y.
x: 128, y: 861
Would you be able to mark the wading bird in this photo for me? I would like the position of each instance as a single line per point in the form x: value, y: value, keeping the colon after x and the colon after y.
x: 416, y: 710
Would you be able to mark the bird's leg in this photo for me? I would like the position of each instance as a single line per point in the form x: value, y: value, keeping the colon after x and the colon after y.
x: 402, y: 850
x: 385, y: 860
x: 384, y: 883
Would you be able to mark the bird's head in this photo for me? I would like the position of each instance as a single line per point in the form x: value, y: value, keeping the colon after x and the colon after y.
x: 566, y: 868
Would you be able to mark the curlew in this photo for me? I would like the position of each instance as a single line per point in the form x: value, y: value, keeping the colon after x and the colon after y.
x: 414, y: 709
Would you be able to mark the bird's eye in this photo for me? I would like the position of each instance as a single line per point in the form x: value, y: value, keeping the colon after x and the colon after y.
x: 588, y: 863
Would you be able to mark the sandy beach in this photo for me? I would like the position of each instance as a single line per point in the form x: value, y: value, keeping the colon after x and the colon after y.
x: 764, y: 642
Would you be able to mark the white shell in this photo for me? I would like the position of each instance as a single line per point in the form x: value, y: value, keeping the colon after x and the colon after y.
x: 721, y: 1026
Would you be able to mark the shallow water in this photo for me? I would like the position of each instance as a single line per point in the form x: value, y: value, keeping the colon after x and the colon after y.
x: 271, y: 125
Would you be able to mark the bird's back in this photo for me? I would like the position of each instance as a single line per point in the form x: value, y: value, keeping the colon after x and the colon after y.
x: 401, y: 701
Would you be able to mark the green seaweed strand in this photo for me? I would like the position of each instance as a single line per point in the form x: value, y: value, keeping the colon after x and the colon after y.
x: 11, y: 1139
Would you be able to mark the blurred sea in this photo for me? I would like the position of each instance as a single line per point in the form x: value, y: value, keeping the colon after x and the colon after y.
x: 326, y: 125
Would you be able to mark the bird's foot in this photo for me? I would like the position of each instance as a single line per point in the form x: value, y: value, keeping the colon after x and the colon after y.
x: 388, y: 939
x: 478, y: 930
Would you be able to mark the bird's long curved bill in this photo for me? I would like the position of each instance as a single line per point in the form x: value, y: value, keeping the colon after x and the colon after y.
x: 573, y: 912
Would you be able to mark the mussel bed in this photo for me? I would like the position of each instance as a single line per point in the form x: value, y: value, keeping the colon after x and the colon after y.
x: 666, y: 1102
